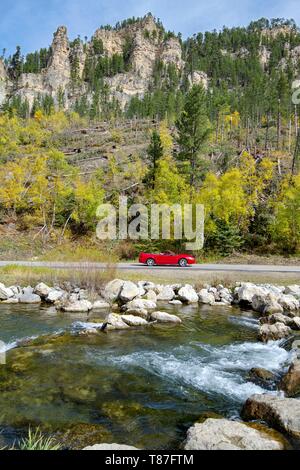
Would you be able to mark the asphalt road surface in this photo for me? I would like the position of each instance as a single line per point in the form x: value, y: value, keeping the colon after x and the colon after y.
x: 246, y: 268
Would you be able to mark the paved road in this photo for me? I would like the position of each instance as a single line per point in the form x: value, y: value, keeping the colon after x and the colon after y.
x: 250, y: 268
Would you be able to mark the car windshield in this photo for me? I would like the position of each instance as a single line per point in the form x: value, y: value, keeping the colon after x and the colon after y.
x: 169, y: 253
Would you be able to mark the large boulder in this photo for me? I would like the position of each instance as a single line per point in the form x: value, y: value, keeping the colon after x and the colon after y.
x: 133, y: 320
x: 112, y: 290
x: 55, y: 295
x: 290, y: 383
x: 188, y: 294
x: 277, y: 318
x: 280, y: 413
x: 5, y: 292
x: 266, y: 304
x: 151, y: 295
x: 289, y: 303
x: 163, y: 317
x: 244, y: 294
x: 42, y: 290
x: 109, y: 447
x: 129, y: 291
x: 223, y: 434
x: 166, y: 293
x: 294, y: 290
x: 273, y: 332
x: 114, y: 322
x: 28, y: 297
x: 206, y: 297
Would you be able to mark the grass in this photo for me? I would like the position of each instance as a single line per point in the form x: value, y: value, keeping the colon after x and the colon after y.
x: 85, y: 277
x: 37, y: 441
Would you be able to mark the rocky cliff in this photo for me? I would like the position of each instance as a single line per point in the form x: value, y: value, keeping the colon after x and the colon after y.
x: 146, y: 46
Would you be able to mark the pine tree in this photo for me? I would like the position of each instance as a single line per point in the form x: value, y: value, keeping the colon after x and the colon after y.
x: 193, y: 131
x: 155, y: 152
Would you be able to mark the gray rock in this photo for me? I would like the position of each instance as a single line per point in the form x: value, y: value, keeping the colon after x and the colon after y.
x: 42, y: 290
x: 11, y: 300
x: 246, y: 292
x: 277, y: 318
x: 109, y: 447
x: 133, y: 320
x: 28, y: 297
x: 222, y: 434
x: 266, y: 304
x: 187, y: 294
x: 280, y: 413
x: 151, y: 295
x: 55, y: 295
x: 115, y: 322
x: 273, y: 332
x: 100, y: 304
x: 129, y: 291
x: 5, y: 292
x: 163, y: 317
x: 289, y: 303
x: 140, y: 304
x: 206, y: 297
x: 175, y: 302
x: 76, y: 306
x: 294, y: 290
x: 112, y: 290
x: 166, y: 293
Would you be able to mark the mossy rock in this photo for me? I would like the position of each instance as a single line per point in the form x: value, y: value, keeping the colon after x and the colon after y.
x: 78, y: 436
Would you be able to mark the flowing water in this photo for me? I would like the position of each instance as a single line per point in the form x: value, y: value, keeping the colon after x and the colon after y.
x: 142, y: 387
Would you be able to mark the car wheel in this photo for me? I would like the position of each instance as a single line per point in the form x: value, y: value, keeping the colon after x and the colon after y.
x: 150, y: 262
x: 183, y: 263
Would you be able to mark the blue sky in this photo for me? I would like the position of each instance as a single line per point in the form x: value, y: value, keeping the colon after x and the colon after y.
x: 31, y: 23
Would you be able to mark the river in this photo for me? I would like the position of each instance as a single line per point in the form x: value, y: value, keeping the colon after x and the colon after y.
x: 142, y: 387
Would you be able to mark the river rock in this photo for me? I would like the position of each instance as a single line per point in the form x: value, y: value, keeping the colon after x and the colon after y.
x: 206, y: 297
x: 166, y: 293
x: 109, y: 447
x: 100, y: 304
x: 28, y: 297
x: 266, y: 304
x: 294, y: 290
x: 261, y: 377
x: 289, y: 303
x: 225, y: 294
x: 42, y: 290
x: 290, y: 383
x: 280, y: 413
x: 129, y: 291
x: 76, y: 306
x: 133, y: 320
x: 245, y: 293
x: 140, y: 304
x: 151, y: 295
x: 175, y: 302
x: 5, y: 292
x: 139, y: 312
x: 115, y: 322
x: 11, y: 300
x: 188, y: 294
x: 296, y: 323
x: 223, y: 434
x: 55, y: 295
x: 112, y: 290
x: 163, y: 317
x: 277, y: 318
x: 273, y: 332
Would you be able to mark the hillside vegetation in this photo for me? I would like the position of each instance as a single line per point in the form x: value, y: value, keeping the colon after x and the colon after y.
x: 218, y: 128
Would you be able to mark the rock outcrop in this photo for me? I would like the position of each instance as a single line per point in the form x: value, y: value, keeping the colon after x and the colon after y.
x: 145, y: 43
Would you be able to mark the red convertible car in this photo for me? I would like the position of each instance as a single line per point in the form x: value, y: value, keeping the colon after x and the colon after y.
x: 167, y: 258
